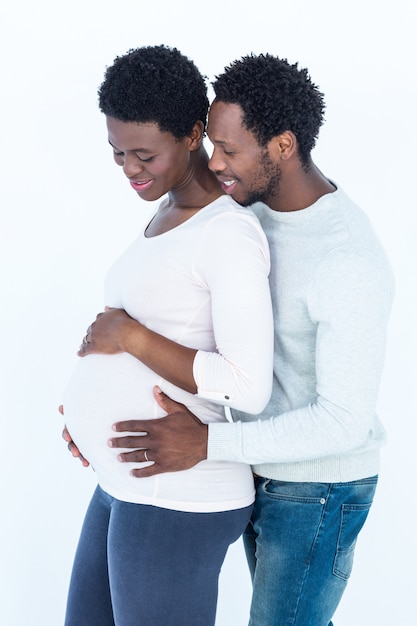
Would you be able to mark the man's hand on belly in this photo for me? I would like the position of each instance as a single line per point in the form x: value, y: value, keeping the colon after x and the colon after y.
x: 173, y: 443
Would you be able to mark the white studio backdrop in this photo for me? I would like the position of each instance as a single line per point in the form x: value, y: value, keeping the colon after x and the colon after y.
x: 66, y: 213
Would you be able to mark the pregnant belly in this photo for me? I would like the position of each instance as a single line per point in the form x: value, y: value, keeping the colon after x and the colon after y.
x: 102, y: 390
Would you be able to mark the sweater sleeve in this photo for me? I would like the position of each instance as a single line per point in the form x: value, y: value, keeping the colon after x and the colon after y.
x: 349, y: 304
x: 233, y: 263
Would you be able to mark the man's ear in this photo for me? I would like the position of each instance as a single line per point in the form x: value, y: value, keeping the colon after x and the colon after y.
x: 196, y: 136
x: 282, y: 147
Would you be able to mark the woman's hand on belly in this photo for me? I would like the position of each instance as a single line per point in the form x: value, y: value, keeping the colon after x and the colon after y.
x: 71, y: 445
x: 108, y: 334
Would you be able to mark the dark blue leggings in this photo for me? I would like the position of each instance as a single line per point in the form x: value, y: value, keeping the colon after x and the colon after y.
x: 141, y: 565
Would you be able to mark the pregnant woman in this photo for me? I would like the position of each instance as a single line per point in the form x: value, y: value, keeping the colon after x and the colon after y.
x: 196, y: 280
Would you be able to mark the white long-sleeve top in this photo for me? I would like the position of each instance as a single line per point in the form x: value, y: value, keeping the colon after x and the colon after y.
x: 203, y: 284
x: 332, y: 288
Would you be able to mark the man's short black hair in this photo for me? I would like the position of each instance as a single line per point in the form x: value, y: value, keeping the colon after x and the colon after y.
x: 155, y: 84
x: 275, y: 96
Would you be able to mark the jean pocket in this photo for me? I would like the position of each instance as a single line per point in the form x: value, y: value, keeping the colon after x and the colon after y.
x: 313, y: 493
x: 353, y: 518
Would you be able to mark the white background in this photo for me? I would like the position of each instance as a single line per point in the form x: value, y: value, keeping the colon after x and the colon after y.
x: 66, y: 212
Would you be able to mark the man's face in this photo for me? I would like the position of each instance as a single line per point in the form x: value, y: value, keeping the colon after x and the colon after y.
x: 243, y: 167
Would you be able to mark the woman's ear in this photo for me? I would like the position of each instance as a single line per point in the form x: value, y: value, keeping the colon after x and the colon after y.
x: 196, y: 136
x: 282, y: 147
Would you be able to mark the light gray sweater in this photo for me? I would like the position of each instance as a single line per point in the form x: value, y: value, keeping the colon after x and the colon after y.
x: 332, y: 288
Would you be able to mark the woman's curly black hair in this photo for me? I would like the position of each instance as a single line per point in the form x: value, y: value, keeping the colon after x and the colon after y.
x: 155, y: 84
x: 275, y: 96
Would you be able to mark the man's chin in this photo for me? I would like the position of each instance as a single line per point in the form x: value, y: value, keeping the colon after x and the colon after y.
x: 249, y: 200
x: 242, y: 203
x: 245, y: 201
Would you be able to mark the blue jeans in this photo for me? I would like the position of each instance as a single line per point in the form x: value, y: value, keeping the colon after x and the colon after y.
x: 299, y: 546
x: 141, y: 565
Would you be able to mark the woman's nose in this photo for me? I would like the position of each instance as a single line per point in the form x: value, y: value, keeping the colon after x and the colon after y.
x: 132, y: 165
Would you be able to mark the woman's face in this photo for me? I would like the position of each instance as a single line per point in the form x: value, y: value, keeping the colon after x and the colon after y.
x: 154, y: 161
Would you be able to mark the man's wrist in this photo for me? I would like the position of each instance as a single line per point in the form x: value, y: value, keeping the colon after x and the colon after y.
x: 223, y: 442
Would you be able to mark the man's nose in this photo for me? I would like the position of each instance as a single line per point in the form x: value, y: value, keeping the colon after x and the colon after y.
x: 216, y: 163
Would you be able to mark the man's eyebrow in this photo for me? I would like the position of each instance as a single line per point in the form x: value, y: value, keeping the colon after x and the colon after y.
x: 221, y: 141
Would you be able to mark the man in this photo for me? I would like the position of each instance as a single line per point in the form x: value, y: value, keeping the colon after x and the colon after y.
x: 315, y: 448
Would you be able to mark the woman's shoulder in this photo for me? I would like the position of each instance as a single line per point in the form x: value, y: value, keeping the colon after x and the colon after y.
x: 227, y: 210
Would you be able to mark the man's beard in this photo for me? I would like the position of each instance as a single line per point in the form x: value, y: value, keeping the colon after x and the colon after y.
x: 270, y: 188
